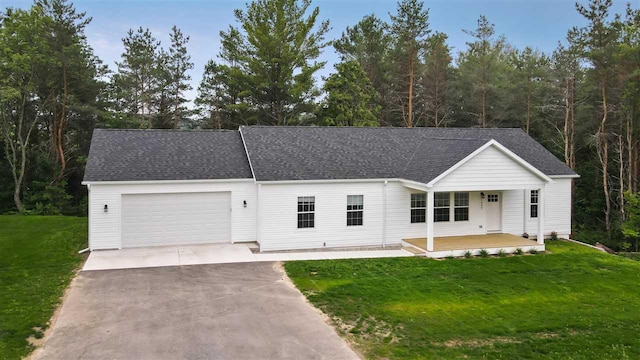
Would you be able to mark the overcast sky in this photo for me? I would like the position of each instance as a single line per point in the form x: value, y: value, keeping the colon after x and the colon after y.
x: 536, y: 23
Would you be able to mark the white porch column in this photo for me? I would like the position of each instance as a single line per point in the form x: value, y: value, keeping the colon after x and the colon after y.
x: 429, y: 220
x: 541, y: 205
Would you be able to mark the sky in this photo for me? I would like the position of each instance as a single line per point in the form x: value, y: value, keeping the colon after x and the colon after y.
x: 536, y: 23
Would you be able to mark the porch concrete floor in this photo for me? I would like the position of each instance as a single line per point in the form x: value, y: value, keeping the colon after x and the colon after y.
x: 448, y: 243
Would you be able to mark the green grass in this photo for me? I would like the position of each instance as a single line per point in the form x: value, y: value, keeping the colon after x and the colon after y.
x: 38, y: 256
x: 572, y: 303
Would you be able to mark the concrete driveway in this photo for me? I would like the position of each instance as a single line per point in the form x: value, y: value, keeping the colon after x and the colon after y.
x: 226, y: 311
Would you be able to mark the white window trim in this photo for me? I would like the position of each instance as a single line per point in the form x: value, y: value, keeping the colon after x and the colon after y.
x: 306, y: 212
x: 411, y: 207
x: 353, y: 211
x: 537, y: 203
x: 468, y: 206
x: 442, y: 207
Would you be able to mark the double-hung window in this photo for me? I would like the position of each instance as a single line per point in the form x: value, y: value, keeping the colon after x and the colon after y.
x: 306, y: 211
x: 355, y: 209
x: 441, y: 206
x: 461, y: 206
x: 533, y: 207
x: 418, y: 208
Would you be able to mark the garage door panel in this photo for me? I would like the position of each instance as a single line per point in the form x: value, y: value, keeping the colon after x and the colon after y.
x: 175, y: 219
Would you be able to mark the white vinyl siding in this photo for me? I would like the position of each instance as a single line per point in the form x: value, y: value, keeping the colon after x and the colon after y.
x: 176, y: 219
x: 491, y: 169
x: 105, y: 227
x: 278, y: 218
x: 278, y: 212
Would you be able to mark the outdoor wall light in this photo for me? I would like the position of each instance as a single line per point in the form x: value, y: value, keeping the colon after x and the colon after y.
x: 481, y: 195
x: 244, y: 203
x: 106, y: 208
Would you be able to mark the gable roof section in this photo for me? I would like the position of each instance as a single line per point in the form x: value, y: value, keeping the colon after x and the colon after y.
x: 417, y: 154
x: 503, y: 150
x: 144, y: 155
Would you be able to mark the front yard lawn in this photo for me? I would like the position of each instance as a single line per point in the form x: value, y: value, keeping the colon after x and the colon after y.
x: 38, y: 256
x: 571, y: 303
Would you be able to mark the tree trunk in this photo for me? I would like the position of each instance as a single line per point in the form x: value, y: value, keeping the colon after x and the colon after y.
x: 484, y: 104
x: 604, y: 159
x: 567, y: 117
x: 528, y: 106
x: 411, y: 76
x: 61, y: 126
x: 621, y: 177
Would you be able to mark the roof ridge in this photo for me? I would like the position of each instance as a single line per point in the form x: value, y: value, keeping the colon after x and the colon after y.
x: 166, y: 130
x: 377, y: 127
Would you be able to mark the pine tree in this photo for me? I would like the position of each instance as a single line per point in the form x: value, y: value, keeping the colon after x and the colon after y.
x: 436, y: 79
x: 369, y: 43
x: 479, y: 70
x: 351, y: 99
x: 409, y: 30
x: 279, y: 57
x: 136, y: 79
x: 178, y: 64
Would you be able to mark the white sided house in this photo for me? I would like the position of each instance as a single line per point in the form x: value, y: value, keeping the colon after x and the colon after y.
x: 289, y: 188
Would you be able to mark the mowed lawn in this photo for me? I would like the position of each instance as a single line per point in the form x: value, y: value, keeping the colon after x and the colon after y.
x: 571, y: 303
x: 38, y: 257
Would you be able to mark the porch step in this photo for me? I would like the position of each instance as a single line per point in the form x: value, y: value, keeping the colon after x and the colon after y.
x: 414, y: 250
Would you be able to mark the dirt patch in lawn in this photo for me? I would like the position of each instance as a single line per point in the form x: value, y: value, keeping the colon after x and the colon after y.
x: 478, y: 342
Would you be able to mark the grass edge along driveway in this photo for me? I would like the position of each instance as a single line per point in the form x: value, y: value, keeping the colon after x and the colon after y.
x: 39, y: 259
x: 571, y: 303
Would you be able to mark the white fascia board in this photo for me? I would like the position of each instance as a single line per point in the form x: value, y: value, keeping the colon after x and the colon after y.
x: 574, y: 176
x: 253, y: 174
x: 415, y: 185
x: 283, y: 182
x: 504, y: 150
x: 149, y: 182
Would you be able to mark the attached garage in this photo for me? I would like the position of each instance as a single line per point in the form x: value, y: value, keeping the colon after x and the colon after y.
x: 169, y: 188
x: 175, y: 219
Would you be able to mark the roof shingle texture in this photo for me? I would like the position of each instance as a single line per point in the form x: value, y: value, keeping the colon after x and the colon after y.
x: 137, y: 155
x: 418, y: 154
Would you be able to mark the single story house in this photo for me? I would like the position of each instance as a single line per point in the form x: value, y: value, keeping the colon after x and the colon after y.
x: 291, y: 188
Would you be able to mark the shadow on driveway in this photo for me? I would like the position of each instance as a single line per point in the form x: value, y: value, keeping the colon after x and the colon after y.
x: 226, y: 311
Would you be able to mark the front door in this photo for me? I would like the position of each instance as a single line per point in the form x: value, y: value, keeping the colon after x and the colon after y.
x: 494, y: 212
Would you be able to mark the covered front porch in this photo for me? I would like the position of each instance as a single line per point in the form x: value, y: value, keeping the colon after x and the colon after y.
x: 458, y: 245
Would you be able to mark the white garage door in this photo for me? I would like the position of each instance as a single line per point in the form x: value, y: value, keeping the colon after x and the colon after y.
x: 176, y: 219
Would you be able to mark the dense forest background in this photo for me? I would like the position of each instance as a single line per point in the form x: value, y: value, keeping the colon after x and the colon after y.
x: 582, y: 101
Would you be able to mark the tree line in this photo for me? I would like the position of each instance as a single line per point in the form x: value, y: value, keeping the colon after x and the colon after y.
x: 582, y: 101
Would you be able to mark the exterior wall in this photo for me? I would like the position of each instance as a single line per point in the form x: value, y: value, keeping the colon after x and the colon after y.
x: 276, y: 216
x: 105, y: 227
x: 489, y: 170
x: 278, y: 229
x: 557, y: 210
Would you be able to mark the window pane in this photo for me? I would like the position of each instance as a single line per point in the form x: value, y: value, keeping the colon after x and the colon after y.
x: 492, y: 198
x: 418, y: 215
x: 461, y: 214
x: 441, y: 214
x: 354, y: 218
x: 441, y: 199
x: 534, y: 211
x: 306, y: 206
x: 418, y: 200
x: 534, y: 196
x: 306, y: 220
x: 461, y: 199
x: 355, y: 199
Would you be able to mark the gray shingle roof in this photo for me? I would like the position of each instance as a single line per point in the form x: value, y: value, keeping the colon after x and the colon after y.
x: 299, y: 153
x: 135, y: 155
x: 419, y: 154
